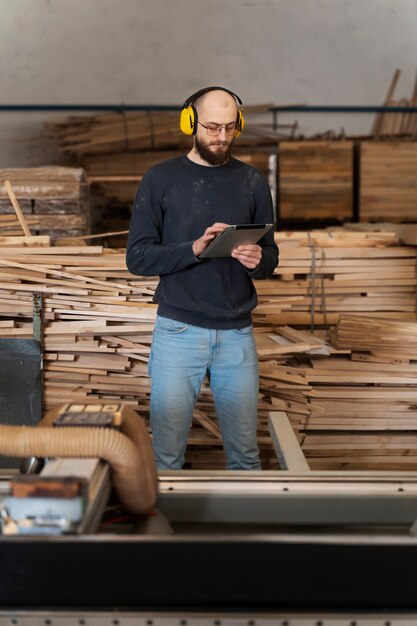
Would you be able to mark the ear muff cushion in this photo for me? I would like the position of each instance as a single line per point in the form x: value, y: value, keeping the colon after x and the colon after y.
x: 240, y: 124
x: 188, y: 121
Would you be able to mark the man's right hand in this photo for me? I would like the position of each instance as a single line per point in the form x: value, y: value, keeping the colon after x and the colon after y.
x: 209, y: 234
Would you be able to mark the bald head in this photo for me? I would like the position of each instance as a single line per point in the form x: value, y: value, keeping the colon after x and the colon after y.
x: 216, y: 102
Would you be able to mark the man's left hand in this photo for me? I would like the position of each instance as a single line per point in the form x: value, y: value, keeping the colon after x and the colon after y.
x: 249, y: 255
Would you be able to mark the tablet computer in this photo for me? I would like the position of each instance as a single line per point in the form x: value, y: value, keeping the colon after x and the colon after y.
x: 232, y: 237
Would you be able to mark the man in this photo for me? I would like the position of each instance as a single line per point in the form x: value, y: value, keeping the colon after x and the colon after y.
x: 204, y: 322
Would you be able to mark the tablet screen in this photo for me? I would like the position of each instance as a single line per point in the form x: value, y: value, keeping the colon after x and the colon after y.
x: 232, y: 237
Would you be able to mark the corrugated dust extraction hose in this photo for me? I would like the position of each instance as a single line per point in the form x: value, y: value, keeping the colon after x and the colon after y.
x: 129, y: 453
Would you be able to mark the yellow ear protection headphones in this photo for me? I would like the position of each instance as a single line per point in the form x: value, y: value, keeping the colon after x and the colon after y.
x: 189, y: 117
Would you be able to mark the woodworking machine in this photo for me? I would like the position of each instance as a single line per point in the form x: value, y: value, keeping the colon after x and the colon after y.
x: 291, y: 547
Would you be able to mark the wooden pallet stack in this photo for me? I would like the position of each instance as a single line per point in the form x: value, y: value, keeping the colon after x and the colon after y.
x: 55, y: 200
x: 316, y: 180
x: 388, y: 181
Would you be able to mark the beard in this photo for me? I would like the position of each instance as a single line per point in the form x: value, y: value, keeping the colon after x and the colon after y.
x: 214, y: 157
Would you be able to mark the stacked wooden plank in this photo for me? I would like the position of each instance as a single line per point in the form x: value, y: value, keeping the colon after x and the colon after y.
x: 364, y: 403
x: 388, y: 182
x: 334, y: 272
x: 349, y: 410
x: 116, y: 175
x: 139, y: 131
x: 316, y: 180
x: 98, y: 322
x: 55, y: 200
x: 383, y: 338
x: 114, y: 178
x: 117, y: 148
x: 115, y: 132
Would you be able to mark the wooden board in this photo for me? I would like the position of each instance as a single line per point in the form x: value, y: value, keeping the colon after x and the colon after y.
x: 57, y: 198
x: 388, y: 181
x: 316, y: 180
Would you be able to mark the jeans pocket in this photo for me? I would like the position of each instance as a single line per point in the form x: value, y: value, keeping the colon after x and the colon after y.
x: 247, y: 330
x: 166, y: 326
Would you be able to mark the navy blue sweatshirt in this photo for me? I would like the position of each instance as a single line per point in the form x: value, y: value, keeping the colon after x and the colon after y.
x: 176, y: 201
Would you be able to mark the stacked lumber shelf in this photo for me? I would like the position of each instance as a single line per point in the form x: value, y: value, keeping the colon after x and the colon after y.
x: 382, y: 338
x: 364, y: 273
x: 116, y: 175
x: 336, y: 271
x: 388, y: 184
x: 316, y: 180
x: 114, y: 180
x: 349, y: 410
x: 364, y: 403
x: 54, y: 200
x: 98, y: 322
x: 139, y: 130
x: 115, y: 132
x: 116, y: 149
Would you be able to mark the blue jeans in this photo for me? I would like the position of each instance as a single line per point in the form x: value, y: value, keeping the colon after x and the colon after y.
x: 181, y: 356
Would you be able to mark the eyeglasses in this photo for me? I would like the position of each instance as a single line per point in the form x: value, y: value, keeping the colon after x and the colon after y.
x: 213, y: 129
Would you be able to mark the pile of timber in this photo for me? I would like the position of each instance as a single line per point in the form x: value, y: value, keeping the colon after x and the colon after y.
x: 337, y: 271
x: 97, y: 325
x: 98, y: 321
x: 316, y: 180
x: 116, y: 175
x: 349, y: 409
x: 116, y: 149
x: 382, y: 338
x: 139, y: 131
x: 54, y: 200
x: 388, y: 181
x: 115, y: 132
x: 364, y: 403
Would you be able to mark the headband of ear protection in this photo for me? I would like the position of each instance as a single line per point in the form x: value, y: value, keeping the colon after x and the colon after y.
x: 189, y: 116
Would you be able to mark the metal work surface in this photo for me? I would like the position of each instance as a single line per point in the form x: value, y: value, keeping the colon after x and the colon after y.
x: 239, y: 565
x: 302, y: 498
x: 116, y: 618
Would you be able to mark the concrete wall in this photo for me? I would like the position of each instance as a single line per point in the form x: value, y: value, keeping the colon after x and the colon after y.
x: 160, y: 51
